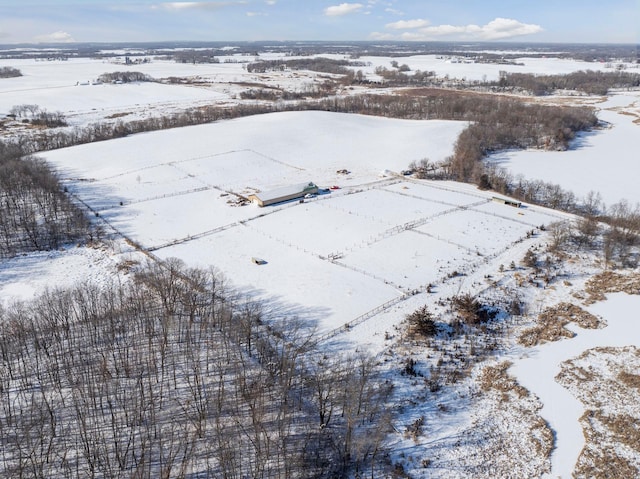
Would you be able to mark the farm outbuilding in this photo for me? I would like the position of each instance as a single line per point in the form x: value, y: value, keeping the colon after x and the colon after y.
x: 266, y: 198
x: 504, y: 201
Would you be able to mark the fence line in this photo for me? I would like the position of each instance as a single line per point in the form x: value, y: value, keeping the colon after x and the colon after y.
x: 171, y: 195
x: 363, y: 317
x: 443, y: 279
x: 193, y: 237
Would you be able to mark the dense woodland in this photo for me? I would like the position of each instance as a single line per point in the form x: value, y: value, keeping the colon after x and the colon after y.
x: 35, y: 212
x: 172, y: 375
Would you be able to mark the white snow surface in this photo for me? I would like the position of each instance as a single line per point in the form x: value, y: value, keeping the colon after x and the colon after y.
x: 330, y: 260
x: 604, y: 160
x: 27, y: 276
x: 390, y: 236
x: 169, y: 190
x: 445, y: 66
x: 537, y: 368
x: 68, y: 87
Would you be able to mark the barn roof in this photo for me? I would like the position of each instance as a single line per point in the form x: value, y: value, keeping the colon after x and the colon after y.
x: 267, y: 196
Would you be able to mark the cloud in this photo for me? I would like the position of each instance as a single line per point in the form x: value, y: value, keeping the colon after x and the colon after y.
x: 408, y: 24
x: 497, y: 29
x: 55, y: 37
x: 270, y: 2
x: 343, y: 9
x: 507, y: 27
x: 183, y: 6
x: 393, y: 11
x: 257, y: 14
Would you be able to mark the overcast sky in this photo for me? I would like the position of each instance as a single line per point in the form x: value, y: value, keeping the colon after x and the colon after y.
x: 581, y: 21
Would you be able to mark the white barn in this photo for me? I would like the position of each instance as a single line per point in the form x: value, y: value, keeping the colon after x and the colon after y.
x: 266, y: 198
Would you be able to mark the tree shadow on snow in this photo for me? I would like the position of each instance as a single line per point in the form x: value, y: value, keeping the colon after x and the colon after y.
x: 295, y: 318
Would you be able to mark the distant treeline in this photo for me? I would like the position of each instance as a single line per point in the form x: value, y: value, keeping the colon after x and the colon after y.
x: 9, y: 72
x: 125, y: 77
x: 586, y: 51
x: 35, y: 115
x: 321, y: 90
x: 316, y: 64
x: 589, y: 82
x: 398, y: 77
x: 35, y: 212
x: 196, y: 56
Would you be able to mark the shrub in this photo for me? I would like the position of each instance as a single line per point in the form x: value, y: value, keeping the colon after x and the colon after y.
x: 530, y: 259
x: 471, y: 310
x: 421, y: 323
x: 9, y: 72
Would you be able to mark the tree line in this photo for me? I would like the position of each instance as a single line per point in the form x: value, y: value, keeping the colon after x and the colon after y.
x: 316, y: 64
x: 589, y: 82
x: 125, y: 77
x: 171, y: 374
x: 9, y: 72
x: 615, y: 229
x: 321, y: 90
x: 497, y: 122
x: 30, y: 113
x: 398, y: 77
x: 35, y: 212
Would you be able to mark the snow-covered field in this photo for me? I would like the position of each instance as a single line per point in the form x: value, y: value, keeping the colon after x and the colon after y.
x: 70, y: 87
x: 67, y: 86
x: 604, y: 161
x: 339, y: 255
x: 457, y: 68
x: 362, y: 255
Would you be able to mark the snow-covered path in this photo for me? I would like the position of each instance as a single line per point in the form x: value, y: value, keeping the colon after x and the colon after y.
x: 537, y: 371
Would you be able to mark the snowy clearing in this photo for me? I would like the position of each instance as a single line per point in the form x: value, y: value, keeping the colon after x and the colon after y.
x: 26, y: 276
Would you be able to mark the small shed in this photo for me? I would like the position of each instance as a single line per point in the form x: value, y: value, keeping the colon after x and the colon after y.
x: 266, y: 198
x: 508, y: 202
